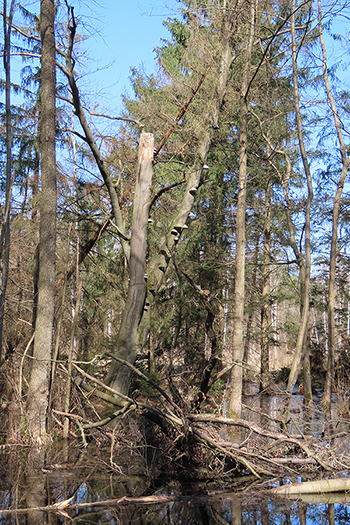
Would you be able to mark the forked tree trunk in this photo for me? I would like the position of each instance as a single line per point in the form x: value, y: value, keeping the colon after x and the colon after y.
x: 39, y: 382
x: 127, y: 344
x: 159, y: 264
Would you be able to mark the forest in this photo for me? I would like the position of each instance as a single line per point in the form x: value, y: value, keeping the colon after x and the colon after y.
x: 155, y: 262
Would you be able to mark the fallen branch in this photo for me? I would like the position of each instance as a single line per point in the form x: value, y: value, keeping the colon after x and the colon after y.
x: 255, y: 470
x: 258, y: 430
x: 170, y: 417
x: 143, y: 500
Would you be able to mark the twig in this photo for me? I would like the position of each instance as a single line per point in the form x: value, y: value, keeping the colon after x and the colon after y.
x: 21, y: 367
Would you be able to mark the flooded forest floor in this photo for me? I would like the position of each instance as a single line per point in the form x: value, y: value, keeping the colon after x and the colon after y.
x: 158, y: 456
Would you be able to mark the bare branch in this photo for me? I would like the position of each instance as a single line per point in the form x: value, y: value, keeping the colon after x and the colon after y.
x: 183, y: 110
x: 124, y: 119
x: 89, y: 138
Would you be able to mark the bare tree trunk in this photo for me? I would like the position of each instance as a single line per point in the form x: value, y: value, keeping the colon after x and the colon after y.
x: 265, y: 306
x: 71, y: 356
x: 307, y: 375
x: 305, y: 269
x: 250, y: 326
x: 238, y: 313
x: 326, y: 402
x: 5, y: 231
x: 159, y: 265
x: 39, y: 382
x: 127, y: 344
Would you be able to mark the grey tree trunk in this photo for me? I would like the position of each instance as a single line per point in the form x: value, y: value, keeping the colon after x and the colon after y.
x: 37, y: 403
x: 127, y: 344
x: 305, y: 269
x: 238, y: 312
x: 265, y: 294
x: 326, y: 402
x: 5, y: 231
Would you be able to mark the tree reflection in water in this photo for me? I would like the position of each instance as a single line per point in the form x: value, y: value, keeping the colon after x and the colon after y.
x: 32, y: 479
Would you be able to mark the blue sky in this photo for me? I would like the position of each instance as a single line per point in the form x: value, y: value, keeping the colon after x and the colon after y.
x: 120, y: 35
x: 127, y: 33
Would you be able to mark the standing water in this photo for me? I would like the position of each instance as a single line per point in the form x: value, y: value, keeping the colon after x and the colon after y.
x: 91, y: 485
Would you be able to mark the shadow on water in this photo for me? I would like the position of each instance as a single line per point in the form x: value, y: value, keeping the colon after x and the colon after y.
x: 31, y: 480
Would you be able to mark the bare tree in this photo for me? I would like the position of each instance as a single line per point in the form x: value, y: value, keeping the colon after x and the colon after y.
x: 127, y: 346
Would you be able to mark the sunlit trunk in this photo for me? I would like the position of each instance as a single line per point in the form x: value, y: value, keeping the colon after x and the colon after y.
x: 305, y: 269
x: 326, y: 402
x: 127, y: 344
x: 265, y: 295
x: 239, y: 294
x: 39, y: 382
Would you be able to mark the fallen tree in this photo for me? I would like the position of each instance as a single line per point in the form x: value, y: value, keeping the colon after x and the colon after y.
x: 231, y: 446
x: 313, y: 487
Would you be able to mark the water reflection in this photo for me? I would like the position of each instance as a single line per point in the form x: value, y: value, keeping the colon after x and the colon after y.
x: 307, y: 421
x: 38, y: 487
x: 31, y: 480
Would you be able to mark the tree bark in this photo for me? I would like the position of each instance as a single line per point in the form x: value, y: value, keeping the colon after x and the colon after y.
x: 305, y: 269
x: 39, y: 382
x: 326, y: 402
x: 5, y: 231
x: 127, y: 344
x: 313, y: 487
x: 266, y: 306
x: 238, y: 313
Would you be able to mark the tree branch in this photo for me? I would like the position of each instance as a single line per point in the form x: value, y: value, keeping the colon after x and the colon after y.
x: 89, y: 138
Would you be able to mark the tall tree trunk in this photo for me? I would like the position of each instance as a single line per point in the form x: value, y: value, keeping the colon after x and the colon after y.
x: 238, y: 313
x: 307, y: 374
x: 326, y: 402
x: 265, y: 293
x: 5, y: 232
x: 127, y: 344
x: 39, y: 382
x: 305, y: 269
x: 250, y: 321
x: 158, y: 266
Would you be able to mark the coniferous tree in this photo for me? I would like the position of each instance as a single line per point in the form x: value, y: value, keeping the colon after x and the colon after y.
x: 37, y: 403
